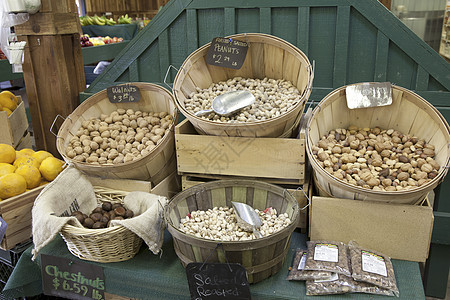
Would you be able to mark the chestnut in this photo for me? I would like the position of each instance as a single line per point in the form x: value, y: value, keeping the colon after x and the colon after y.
x: 120, y: 211
x: 107, y: 206
x: 88, y: 222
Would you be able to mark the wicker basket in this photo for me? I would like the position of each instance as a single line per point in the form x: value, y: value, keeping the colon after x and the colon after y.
x: 261, y: 257
x: 409, y: 114
x: 156, y: 165
x: 104, y: 245
x: 267, y: 56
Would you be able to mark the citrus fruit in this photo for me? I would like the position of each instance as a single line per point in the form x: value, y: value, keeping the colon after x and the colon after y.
x: 26, y: 160
x: 6, y: 169
x: 51, y: 167
x: 7, y: 154
x: 41, y: 155
x: 8, y: 111
x: 8, y: 100
x: 26, y: 151
x: 12, y: 185
x: 31, y: 174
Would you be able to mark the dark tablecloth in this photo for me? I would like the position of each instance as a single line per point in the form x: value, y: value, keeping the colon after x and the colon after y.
x: 125, y: 31
x: 149, y: 276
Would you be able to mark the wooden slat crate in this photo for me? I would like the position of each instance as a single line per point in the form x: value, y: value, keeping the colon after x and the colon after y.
x: 14, y: 127
x: 275, y: 160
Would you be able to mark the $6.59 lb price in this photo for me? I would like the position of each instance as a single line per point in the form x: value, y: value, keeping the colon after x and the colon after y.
x: 76, y: 288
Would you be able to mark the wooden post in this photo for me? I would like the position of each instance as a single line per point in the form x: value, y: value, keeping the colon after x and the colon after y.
x: 53, y: 67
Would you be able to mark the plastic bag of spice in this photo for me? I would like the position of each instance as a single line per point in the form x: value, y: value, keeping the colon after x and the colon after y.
x: 328, y: 256
x: 298, y: 272
x: 372, y: 267
x: 337, y: 284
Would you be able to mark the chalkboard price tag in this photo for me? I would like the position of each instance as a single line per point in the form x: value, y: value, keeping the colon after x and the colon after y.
x: 63, y: 277
x: 123, y: 93
x: 217, y: 281
x: 227, y: 53
x: 3, y: 227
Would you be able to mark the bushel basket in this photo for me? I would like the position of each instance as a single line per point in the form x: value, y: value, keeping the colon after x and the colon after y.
x: 267, y: 56
x: 409, y: 113
x: 104, y: 245
x: 261, y: 257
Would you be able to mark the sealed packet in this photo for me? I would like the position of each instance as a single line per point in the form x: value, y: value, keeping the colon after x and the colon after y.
x: 297, y: 271
x: 327, y: 256
x: 372, y: 267
x: 368, y: 288
x: 337, y: 284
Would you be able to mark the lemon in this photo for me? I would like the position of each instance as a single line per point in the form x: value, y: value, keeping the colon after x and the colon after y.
x: 6, y: 169
x: 26, y: 160
x: 7, y: 154
x: 26, y: 151
x: 41, y: 155
x: 31, y: 174
x: 8, y: 111
x: 51, y: 167
x: 12, y: 185
x: 8, y: 100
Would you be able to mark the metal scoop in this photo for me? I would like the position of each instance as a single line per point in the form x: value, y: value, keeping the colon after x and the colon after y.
x: 228, y: 103
x: 368, y: 94
x: 247, y: 218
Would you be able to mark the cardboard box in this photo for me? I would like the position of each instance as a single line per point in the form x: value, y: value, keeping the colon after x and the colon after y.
x: 14, y: 127
x: 275, y: 160
x: 399, y: 231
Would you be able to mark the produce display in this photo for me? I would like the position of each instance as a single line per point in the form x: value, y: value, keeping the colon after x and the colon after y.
x: 8, y: 102
x: 122, y: 136
x: 25, y: 170
x: 87, y: 41
x: 103, y: 20
x: 377, y: 159
x: 102, y: 215
x: 220, y: 224
x: 273, y: 98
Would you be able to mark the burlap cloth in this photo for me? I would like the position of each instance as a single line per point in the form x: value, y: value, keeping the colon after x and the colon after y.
x: 72, y: 191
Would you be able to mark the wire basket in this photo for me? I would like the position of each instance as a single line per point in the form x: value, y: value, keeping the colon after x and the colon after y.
x: 111, y: 244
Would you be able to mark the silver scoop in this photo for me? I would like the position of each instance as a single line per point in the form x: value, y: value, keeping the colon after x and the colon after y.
x: 368, y: 94
x: 247, y: 218
x: 228, y: 103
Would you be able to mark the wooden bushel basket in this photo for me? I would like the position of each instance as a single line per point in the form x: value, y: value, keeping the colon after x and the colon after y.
x: 267, y: 56
x: 155, y: 166
x: 409, y: 114
x: 261, y: 257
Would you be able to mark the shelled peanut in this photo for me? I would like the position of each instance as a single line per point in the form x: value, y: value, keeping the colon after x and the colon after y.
x: 220, y: 224
x: 122, y: 136
x: 377, y: 159
x: 273, y: 98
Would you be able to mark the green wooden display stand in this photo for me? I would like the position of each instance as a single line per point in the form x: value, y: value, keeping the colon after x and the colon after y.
x: 349, y: 40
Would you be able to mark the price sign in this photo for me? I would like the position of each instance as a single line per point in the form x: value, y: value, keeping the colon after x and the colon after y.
x: 123, y: 93
x: 227, y: 53
x: 71, y: 279
x: 217, y: 281
x: 3, y: 227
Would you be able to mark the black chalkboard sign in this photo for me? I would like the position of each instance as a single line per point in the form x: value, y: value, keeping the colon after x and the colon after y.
x: 123, y: 93
x: 3, y: 227
x: 217, y: 281
x: 71, y: 279
x: 227, y: 53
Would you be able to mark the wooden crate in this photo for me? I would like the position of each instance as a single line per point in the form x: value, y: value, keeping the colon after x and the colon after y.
x: 274, y: 160
x: 14, y: 127
x: 300, y: 193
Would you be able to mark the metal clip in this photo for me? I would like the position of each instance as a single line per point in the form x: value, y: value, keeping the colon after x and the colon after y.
x: 167, y: 74
x: 54, y: 121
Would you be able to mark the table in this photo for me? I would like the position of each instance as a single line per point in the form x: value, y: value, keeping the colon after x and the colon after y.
x: 125, y: 31
x: 149, y: 276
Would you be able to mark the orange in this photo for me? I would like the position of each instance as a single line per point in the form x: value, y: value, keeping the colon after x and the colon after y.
x: 31, y: 174
x: 7, y: 154
x: 41, y: 155
x: 51, y: 167
x: 8, y: 100
x: 6, y: 169
x: 26, y: 160
x: 12, y: 185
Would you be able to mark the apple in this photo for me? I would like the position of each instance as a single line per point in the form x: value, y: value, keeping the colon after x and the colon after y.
x: 88, y: 44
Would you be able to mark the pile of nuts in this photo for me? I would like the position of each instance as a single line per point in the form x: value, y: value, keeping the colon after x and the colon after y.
x: 273, y: 98
x: 102, y: 215
x: 377, y: 159
x: 123, y: 136
x: 220, y: 224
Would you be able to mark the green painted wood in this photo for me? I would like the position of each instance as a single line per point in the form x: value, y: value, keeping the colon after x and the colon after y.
x: 104, y: 52
x: 381, y: 57
x: 192, y: 34
x: 442, y: 228
x: 163, y: 41
x: 303, y: 29
x: 265, y: 21
x: 436, y: 271
x: 205, y: 4
x: 229, y: 21
x: 341, y: 46
x: 134, y: 71
x: 422, y: 79
x: 282, y: 18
